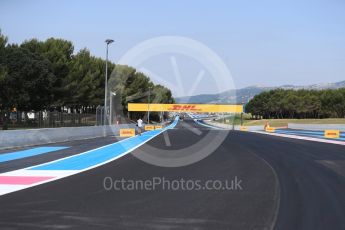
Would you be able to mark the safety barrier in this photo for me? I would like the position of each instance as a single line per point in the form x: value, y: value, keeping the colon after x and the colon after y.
x: 30, y: 137
x: 236, y: 127
x: 244, y: 128
x: 317, y: 127
x: 332, y: 133
x: 270, y: 129
x: 127, y: 132
x: 149, y: 127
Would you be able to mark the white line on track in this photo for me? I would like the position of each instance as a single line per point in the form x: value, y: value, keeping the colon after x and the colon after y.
x: 302, y: 138
x: 191, y: 128
x: 166, y: 139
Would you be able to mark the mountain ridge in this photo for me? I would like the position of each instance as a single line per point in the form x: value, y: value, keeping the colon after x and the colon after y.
x: 243, y: 95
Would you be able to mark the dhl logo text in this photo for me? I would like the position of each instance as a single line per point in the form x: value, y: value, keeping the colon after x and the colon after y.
x: 183, y: 108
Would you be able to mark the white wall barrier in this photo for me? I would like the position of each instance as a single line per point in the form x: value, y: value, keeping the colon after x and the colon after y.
x: 236, y: 127
x: 29, y: 137
x: 317, y: 127
x: 251, y: 128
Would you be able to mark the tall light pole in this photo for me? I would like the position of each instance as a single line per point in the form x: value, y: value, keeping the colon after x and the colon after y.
x: 148, y: 112
x: 108, y: 41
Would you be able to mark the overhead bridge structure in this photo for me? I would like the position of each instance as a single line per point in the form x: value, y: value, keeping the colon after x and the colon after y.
x: 194, y: 108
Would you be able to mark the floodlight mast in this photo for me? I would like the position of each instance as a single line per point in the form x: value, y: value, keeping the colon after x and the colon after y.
x: 108, y: 41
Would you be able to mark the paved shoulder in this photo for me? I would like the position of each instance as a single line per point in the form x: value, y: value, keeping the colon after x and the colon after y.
x: 311, y: 177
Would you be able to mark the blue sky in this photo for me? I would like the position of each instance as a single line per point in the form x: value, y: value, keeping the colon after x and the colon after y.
x: 261, y: 42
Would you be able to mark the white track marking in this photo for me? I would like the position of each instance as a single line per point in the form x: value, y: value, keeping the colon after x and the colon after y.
x: 191, y: 128
x: 33, y: 173
x: 301, y: 137
x: 166, y: 139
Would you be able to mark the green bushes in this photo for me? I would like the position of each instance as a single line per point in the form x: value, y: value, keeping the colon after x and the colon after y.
x: 282, y: 103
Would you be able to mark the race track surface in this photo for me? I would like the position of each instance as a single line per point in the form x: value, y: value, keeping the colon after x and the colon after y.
x: 285, y: 184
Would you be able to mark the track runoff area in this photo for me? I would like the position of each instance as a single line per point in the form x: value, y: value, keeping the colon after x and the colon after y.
x: 270, y: 179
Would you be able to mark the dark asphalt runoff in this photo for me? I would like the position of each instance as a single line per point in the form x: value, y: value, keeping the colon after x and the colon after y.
x: 283, y: 184
x: 74, y: 147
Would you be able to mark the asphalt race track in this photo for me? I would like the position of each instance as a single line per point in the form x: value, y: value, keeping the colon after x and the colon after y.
x: 285, y: 184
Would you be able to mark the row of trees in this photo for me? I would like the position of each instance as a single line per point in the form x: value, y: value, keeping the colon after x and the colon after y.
x: 282, y: 103
x: 132, y: 86
x: 48, y: 75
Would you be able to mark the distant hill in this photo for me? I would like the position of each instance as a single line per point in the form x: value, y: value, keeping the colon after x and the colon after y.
x: 242, y: 96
